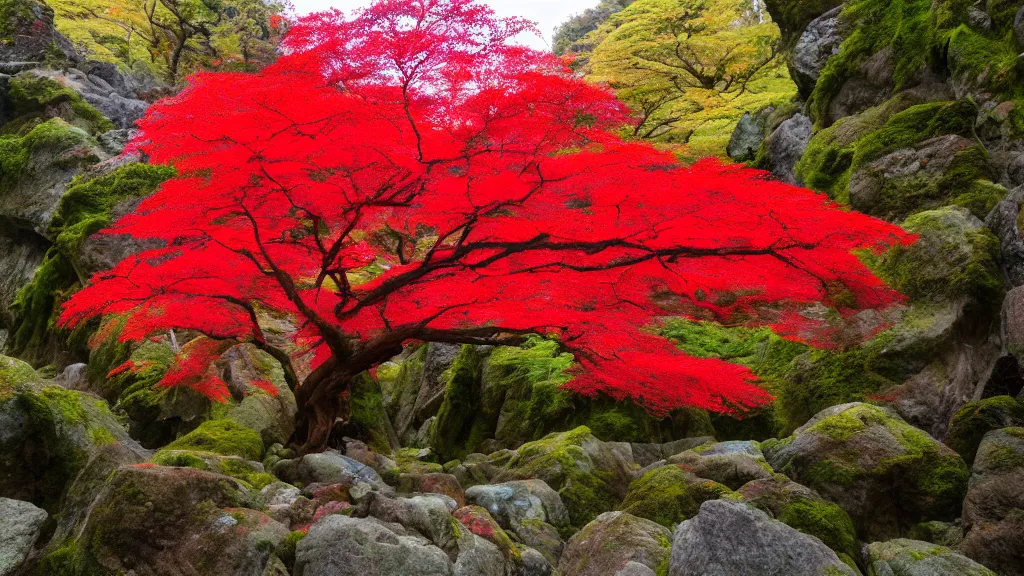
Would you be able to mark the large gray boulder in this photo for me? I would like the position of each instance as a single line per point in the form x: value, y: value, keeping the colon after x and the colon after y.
x: 329, y: 467
x: 994, y: 506
x: 513, y: 503
x: 20, y: 524
x: 730, y: 539
x: 615, y: 543
x: 1018, y: 28
x: 747, y: 136
x: 904, y: 557
x: 886, y: 474
x: 819, y: 42
x: 732, y: 463
x: 786, y: 145
x: 339, y: 545
x: 29, y: 36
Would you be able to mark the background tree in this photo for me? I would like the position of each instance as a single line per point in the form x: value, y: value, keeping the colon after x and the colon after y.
x: 409, y: 175
x: 684, y: 65
x: 568, y: 33
x: 172, y: 38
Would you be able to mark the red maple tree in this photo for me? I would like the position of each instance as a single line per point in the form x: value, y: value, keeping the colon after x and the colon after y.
x: 411, y: 174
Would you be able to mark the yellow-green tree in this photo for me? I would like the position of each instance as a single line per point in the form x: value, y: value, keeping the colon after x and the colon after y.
x: 172, y: 38
x: 689, y: 68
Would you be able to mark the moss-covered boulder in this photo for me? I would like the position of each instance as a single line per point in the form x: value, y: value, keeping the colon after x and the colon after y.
x: 159, y: 520
x: 994, y: 506
x: 980, y: 417
x: 906, y: 120
x: 261, y: 399
x: 36, y: 167
x: 736, y: 538
x: 670, y: 494
x: 907, y: 557
x: 886, y: 474
x: 591, y: 476
x: 225, y: 437
x: 368, y: 417
x: 615, y: 543
x: 27, y: 34
x: 50, y: 434
x: 802, y: 508
x: 954, y: 257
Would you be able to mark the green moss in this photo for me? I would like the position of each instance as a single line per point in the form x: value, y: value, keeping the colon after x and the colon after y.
x: 906, y: 27
x: 223, y: 437
x: 14, y: 372
x: 953, y: 258
x: 560, y: 460
x: 242, y: 470
x: 668, y: 495
x: 32, y: 95
x: 67, y: 560
x: 831, y: 472
x: 460, y: 406
x: 986, y: 60
x: 975, y: 419
x: 286, y: 549
x: 825, y: 521
x: 85, y: 207
x: 367, y: 415
x: 980, y: 197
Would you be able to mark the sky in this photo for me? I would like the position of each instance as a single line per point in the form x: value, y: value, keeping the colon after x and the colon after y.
x: 546, y: 13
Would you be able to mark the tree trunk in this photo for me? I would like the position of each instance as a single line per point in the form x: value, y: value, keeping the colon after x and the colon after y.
x: 319, y: 405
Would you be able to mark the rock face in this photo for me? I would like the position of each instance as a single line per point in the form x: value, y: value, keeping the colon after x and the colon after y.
x: 994, y: 506
x: 786, y: 145
x: 19, y: 531
x: 1003, y: 223
x: 886, y: 474
x: 514, y: 503
x: 728, y: 538
x: 29, y: 35
x: 915, y: 558
x: 747, y: 136
x: 819, y: 42
x: 616, y: 543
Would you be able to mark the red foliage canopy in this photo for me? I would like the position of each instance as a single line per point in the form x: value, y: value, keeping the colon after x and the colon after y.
x: 410, y: 174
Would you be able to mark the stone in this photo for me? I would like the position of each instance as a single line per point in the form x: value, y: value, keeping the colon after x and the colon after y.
x: 800, y: 507
x: 344, y: 546
x: 994, y: 507
x: 31, y: 36
x: 49, y: 434
x: 670, y: 494
x: 535, y: 564
x: 328, y: 467
x: 786, y: 145
x: 19, y: 530
x: 122, y: 108
x: 980, y: 417
x: 273, y: 416
x: 434, y: 483
x: 164, y: 521
x: 613, y: 540
x: 731, y: 538
x: 746, y: 137
x: 589, y: 475
x: 478, y: 521
x: 819, y: 42
x: 512, y: 503
x: 912, y: 179
x: 1002, y: 220
x: 732, y: 464
x: 479, y: 557
x: 428, y: 515
x: 1013, y: 322
x: 886, y: 474
x: 904, y: 557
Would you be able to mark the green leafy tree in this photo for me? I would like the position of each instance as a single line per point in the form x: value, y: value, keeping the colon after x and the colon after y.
x: 687, y: 66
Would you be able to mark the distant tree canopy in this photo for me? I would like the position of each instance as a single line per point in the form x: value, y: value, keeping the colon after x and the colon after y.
x: 172, y: 38
x: 688, y: 65
x: 579, y: 25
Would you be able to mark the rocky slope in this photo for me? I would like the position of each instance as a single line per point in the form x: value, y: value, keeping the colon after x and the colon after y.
x: 899, y: 456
